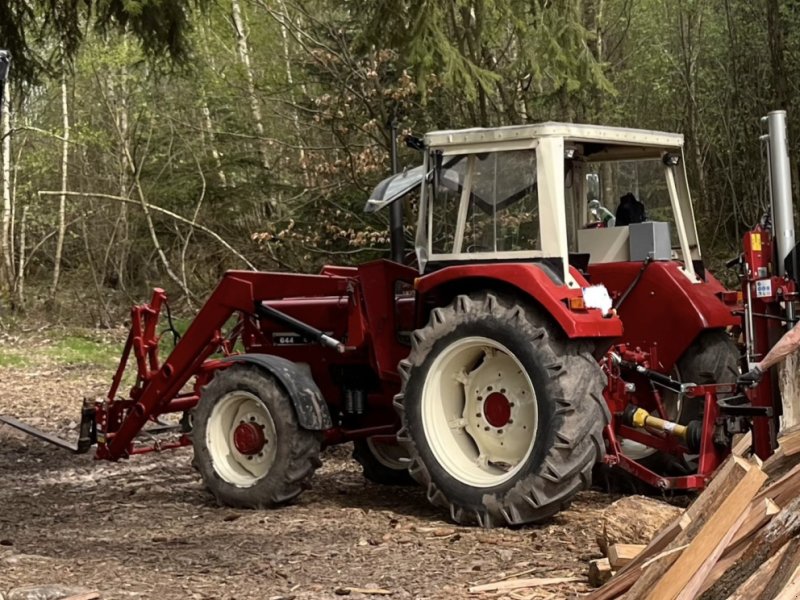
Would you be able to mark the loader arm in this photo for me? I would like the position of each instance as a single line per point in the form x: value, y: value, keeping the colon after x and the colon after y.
x: 239, y: 291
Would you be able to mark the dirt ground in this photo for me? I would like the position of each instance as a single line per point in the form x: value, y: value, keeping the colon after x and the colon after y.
x: 145, y: 528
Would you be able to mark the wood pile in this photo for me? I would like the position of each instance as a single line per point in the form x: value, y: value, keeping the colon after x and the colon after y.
x: 739, y: 540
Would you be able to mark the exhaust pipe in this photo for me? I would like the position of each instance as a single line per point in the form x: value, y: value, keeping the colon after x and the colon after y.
x: 396, y: 237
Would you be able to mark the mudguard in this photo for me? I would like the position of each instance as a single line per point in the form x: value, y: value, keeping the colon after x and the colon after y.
x: 309, y: 405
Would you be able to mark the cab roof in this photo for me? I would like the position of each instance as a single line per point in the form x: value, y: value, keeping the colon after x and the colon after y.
x: 577, y: 132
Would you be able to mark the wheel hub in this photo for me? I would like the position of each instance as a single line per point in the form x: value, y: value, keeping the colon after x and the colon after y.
x: 248, y: 438
x: 497, y: 409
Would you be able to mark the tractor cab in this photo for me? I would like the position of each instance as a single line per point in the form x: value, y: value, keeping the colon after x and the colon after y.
x: 548, y: 193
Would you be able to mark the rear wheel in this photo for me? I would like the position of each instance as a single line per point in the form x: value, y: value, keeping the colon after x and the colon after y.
x: 712, y: 358
x: 248, y: 446
x: 502, y: 418
x: 383, y: 463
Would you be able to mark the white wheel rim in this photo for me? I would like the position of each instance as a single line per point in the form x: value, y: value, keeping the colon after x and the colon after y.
x: 242, y: 469
x: 392, y: 456
x: 476, y: 436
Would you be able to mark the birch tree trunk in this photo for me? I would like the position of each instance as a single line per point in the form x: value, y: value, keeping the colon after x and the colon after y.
x: 20, y: 280
x: 62, y: 201
x: 290, y: 81
x: 244, y: 56
x: 6, y: 241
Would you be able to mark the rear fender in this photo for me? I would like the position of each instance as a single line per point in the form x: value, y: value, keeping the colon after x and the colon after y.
x: 309, y: 405
x: 523, y: 279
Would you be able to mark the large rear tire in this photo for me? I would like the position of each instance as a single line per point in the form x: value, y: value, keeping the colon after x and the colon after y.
x: 502, y: 416
x: 712, y: 358
x: 248, y: 446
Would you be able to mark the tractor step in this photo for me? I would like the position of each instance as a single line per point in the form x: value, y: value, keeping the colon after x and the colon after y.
x: 86, y: 438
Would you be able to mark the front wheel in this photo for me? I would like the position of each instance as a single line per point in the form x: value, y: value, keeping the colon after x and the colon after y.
x: 502, y: 418
x: 248, y: 446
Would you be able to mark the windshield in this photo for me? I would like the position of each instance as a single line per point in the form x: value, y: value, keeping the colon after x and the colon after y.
x: 624, y: 190
x: 485, y: 203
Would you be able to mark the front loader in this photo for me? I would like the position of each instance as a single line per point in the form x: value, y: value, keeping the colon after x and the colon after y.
x: 524, y: 343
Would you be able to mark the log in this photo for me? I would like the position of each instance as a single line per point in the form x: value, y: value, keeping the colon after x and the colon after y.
x: 623, y: 580
x: 697, y: 582
x: 769, y: 539
x: 761, y: 512
x: 786, y: 455
x: 743, y: 445
x: 784, y: 489
x: 792, y: 590
x: 633, y: 520
x: 789, y: 385
x: 784, y: 570
x: 754, y: 585
x: 620, y: 555
x: 660, y: 542
x: 758, y: 515
x: 710, y: 541
x: 599, y: 572
x: 727, y: 477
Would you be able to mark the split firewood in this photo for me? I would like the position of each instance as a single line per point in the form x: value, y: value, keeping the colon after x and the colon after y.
x: 732, y: 472
x: 600, y: 571
x: 710, y: 541
x: 784, y: 570
x: 754, y: 585
x: 515, y: 584
x: 742, y: 445
x: 783, y: 527
x: 620, y: 555
x: 792, y: 589
x: 784, y: 489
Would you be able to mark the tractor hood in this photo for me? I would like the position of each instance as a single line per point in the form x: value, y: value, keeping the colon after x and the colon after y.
x: 393, y: 188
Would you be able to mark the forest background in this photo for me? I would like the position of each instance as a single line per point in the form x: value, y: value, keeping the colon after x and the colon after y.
x: 158, y: 142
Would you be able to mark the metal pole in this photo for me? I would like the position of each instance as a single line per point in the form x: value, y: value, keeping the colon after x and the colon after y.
x: 781, y: 184
x: 396, y: 236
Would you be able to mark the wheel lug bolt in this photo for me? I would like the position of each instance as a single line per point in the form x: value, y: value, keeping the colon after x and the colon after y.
x: 489, y: 389
x: 480, y: 398
x: 486, y: 428
x: 478, y: 415
x: 252, y: 419
x: 510, y: 421
x: 500, y: 431
x: 502, y: 390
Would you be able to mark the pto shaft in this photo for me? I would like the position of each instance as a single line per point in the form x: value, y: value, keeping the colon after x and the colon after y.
x: 690, y: 434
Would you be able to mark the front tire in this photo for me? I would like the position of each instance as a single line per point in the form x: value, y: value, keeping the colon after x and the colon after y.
x: 248, y: 446
x: 502, y: 417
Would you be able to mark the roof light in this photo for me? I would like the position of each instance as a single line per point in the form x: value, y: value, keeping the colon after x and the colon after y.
x: 671, y: 160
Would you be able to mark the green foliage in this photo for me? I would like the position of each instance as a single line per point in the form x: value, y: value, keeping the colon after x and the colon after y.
x: 326, y: 77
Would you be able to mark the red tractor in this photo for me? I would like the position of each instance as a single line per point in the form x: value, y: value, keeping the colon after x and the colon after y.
x: 530, y: 339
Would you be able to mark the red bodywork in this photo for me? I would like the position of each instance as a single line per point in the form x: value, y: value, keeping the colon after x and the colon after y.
x: 372, y: 308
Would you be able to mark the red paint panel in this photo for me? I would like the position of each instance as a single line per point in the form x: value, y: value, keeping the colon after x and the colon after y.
x: 533, y: 281
x: 664, y: 308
